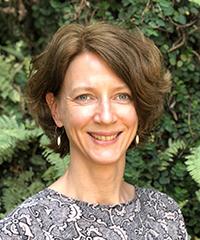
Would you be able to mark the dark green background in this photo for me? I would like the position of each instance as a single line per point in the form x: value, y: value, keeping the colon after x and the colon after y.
x: 27, y: 166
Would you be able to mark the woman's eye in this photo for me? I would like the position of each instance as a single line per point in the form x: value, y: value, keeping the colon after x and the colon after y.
x: 83, y: 97
x: 124, y: 96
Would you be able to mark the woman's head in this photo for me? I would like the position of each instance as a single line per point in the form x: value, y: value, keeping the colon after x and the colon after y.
x: 134, y: 58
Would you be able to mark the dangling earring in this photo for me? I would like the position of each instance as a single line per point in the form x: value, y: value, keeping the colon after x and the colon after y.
x: 137, y: 140
x: 59, y: 137
x: 59, y: 141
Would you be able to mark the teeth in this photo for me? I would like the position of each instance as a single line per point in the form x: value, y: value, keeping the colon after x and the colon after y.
x: 104, y: 138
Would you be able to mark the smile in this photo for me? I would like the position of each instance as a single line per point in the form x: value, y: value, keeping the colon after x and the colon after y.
x: 104, y: 138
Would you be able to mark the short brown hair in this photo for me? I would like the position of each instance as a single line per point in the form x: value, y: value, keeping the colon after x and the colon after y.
x: 133, y: 57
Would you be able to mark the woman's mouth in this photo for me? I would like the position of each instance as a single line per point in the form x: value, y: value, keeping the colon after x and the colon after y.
x: 103, y: 137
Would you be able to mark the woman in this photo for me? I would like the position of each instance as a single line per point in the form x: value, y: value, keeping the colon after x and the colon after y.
x: 96, y: 91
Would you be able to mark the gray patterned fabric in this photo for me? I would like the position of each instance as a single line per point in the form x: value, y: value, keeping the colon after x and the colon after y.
x: 48, y: 215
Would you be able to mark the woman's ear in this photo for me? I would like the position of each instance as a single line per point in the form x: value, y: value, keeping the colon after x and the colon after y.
x: 53, y: 105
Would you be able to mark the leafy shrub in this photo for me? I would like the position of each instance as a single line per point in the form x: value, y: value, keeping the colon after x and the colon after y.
x: 169, y: 161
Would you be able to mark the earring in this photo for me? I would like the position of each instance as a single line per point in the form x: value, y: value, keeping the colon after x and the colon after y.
x: 137, y: 139
x: 59, y: 137
x: 59, y: 141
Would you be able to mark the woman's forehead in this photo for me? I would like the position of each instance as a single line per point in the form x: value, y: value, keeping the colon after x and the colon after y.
x: 87, y: 69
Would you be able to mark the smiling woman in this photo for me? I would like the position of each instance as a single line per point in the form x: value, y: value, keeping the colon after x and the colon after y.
x: 99, y: 124
x: 104, y: 89
x: 132, y: 57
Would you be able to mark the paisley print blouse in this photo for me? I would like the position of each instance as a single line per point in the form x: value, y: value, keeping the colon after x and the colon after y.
x: 48, y: 215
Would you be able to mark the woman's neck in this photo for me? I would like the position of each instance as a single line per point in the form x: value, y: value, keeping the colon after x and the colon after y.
x: 98, y: 184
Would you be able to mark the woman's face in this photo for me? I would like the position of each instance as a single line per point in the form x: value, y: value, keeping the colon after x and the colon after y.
x: 96, y: 109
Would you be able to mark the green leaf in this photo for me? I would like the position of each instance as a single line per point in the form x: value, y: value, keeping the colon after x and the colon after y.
x: 13, y: 51
x: 193, y: 164
x: 160, y: 22
x: 191, y: 67
x: 194, y: 10
x: 198, y: 195
x: 164, y: 4
x: 179, y: 64
x: 55, y: 4
x: 35, y: 7
x: 183, y: 57
x: 182, y: 19
x: 121, y: 15
x: 172, y: 61
x: 40, y: 40
x: 169, y: 11
x: 166, y: 47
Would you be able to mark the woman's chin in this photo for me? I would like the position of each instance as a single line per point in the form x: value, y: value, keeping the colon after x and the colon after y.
x: 106, y: 158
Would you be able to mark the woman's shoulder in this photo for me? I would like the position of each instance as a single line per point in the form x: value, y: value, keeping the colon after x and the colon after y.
x: 149, y: 192
x: 160, y: 207
x: 152, y: 198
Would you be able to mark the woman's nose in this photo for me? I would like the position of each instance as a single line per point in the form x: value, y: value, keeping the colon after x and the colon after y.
x: 105, y: 113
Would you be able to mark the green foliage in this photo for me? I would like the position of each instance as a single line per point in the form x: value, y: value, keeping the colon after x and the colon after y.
x: 169, y: 161
x: 58, y: 165
x: 154, y: 168
x: 7, y: 89
x: 13, y: 136
x: 193, y: 164
x: 167, y: 156
x: 20, y: 188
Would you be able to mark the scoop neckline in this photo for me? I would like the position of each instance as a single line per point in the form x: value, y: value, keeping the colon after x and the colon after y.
x: 83, y: 203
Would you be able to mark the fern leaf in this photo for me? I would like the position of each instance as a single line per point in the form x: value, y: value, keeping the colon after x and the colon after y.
x: 59, y: 165
x: 167, y: 156
x: 14, y: 137
x: 174, y: 147
x: 193, y: 164
x: 19, y: 189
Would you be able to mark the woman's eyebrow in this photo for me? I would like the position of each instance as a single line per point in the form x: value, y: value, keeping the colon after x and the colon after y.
x: 87, y: 88
x: 81, y: 88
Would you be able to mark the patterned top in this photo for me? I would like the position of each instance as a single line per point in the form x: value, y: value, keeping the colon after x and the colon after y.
x: 48, y: 215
